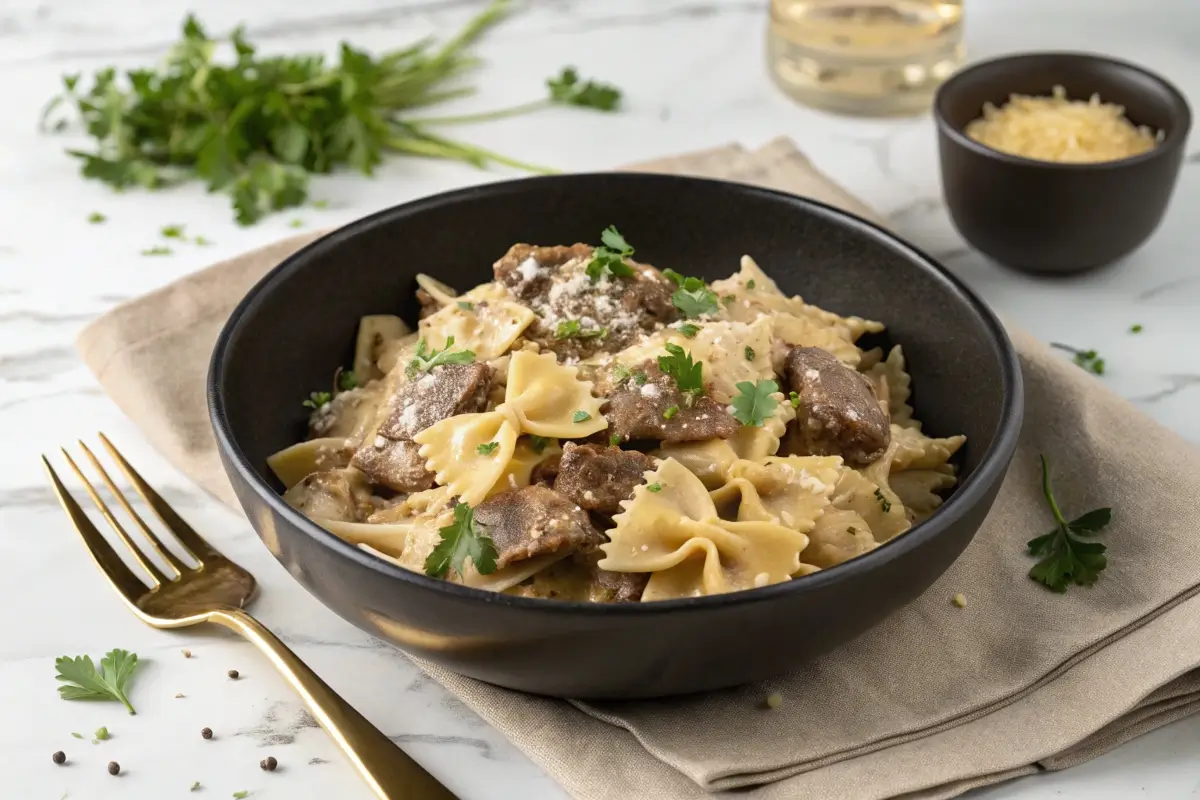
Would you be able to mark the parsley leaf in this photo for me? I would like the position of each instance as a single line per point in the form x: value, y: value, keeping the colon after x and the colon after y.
x: 487, y: 449
x: 102, y: 734
x: 640, y: 378
x: 570, y: 329
x: 688, y: 374
x: 426, y: 359
x: 466, y: 305
x: 610, y: 257
x: 794, y: 399
x: 347, y: 380
x: 538, y: 443
x: 614, y: 440
x: 581, y: 416
x: 567, y: 89
x: 749, y: 353
x: 96, y: 218
x: 1065, y: 557
x: 317, y: 400
x: 750, y: 284
x: 620, y: 373
x: 296, y: 223
x: 157, y: 250
x: 689, y: 330
x: 692, y: 296
x: 1087, y: 359
x: 173, y: 232
x: 84, y: 682
x: 654, y: 487
x: 241, y: 795
x: 1136, y: 328
x: 754, y: 403
x: 462, y: 539
x: 884, y: 503
x: 670, y: 412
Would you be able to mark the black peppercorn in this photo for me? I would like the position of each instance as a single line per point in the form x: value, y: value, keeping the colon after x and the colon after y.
x: 206, y: 733
x: 114, y: 768
x: 59, y: 757
x: 233, y: 674
x: 269, y: 763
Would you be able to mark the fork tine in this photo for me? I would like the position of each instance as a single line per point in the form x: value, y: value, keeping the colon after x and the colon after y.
x: 199, y: 548
x: 157, y: 545
x: 129, y: 585
x: 156, y: 576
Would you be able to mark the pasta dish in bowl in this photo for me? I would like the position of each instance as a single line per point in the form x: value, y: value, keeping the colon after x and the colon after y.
x: 587, y: 427
x: 577, y: 468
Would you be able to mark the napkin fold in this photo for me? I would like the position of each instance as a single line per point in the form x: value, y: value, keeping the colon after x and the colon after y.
x: 935, y: 701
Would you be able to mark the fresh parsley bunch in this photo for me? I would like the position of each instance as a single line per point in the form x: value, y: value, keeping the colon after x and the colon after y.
x: 257, y: 127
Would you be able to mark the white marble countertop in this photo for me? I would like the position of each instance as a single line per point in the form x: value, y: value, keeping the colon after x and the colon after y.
x: 694, y: 77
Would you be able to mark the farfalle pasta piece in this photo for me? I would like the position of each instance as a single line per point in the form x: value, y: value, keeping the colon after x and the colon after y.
x: 671, y: 529
x: 543, y: 398
x: 893, y: 387
x: 915, y: 450
x: 879, y: 507
x: 485, y: 321
x: 918, y: 489
x: 838, y: 536
x: 792, y: 491
x: 710, y: 460
x: 525, y: 458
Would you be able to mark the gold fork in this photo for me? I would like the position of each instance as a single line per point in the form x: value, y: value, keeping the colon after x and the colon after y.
x: 217, y: 590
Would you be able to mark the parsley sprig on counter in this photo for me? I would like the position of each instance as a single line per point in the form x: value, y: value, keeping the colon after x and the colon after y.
x: 82, y: 681
x: 462, y: 539
x: 255, y: 127
x: 1065, y: 557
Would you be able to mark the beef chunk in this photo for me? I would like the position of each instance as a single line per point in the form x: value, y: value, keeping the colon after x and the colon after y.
x: 637, y: 411
x: 391, y: 458
x: 618, y: 587
x: 533, y: 521
x: 429, y: 306
x: 338, y: 494
x: 577, y: 318
x: 598, y: 478
x: 545, y: 472
x: 839, y: 413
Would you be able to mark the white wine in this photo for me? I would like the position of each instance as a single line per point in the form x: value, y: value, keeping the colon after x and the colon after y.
x: 864, y: 56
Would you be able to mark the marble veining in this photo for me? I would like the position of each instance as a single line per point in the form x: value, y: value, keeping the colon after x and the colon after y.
x: 694, y: 78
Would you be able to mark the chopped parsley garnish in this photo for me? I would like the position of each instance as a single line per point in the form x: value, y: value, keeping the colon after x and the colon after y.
x: 689, y: 330
x: 610, y: 257
x: 296, y: 223
x: 620, y: 373
x: 884, y: 503
x: 538, y: 443
x: 320, y: 204
x: 1088, y: 359
x: 581, y: 416
x: 317, y: 400
x: 754, y: 402
x: 77, y: 735
x: 347, y: 380
x: 566, y: 89
x: 570, y: 329
x: 794, y: 399
x: 654, y: 487
x: 96, y: 218
x: 692, y: 296
x: 200, y: 241
x: 1135, y: 328
x: 670, y: 412
x: 750, y: 284
x: 426, y: 359
x: 615, y: 439
x: 688, y: 374
x: 728, y: 299
x: 462, y: 539
x: 157, y: 250
x: 173, y: 232
x: 487, y: 449
x: 749, y: 353
x: 1065, y: 558
x: 84, y: 682
x: 466, y: 305
x: 241, y: 795
x: 101, y: 734
x: 640, y: 378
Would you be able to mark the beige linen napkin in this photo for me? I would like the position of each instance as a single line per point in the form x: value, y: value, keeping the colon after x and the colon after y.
x: 935, y: 701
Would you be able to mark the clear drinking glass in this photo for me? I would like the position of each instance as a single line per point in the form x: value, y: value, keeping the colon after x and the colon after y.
x: 872, y: 57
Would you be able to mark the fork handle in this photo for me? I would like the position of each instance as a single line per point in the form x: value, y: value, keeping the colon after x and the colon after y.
x: 387, y: 769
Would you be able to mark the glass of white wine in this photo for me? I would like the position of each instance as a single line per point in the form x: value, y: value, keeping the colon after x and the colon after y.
x: 870, y: 57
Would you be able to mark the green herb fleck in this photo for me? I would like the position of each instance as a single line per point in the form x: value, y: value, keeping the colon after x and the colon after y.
x: 487, y: 449
x: 347, y: 380
x: 567, y: 89
x: 77, y: 735
x: 610, y: 257
x: 750, y: 284
x: 195, y: 787
x: 462, y: 539
x: 615, y: 439
x: 569, y: 328
x: 749, y: 353
x: 1135, y: 328
x: 670, y: 412
x: 728, y: 299
x: 688, y: 374
x: 102, y: 734
x: 1065, y: 558
x: 689, y: 330
x: 620, y: 373
x: 96, y: 218
x: 884, y: 503
x: 296, y: 223
x: 794, y: 399
x: 466, y: 305
x: 640, y: 378
x: 692, y: 296
x: 241, y: 795
x: 538, y: 443
x: 157, y: 250
x: 1087, y: 359
x: 84, y: 682
x: 173, y: 232
x: 317, y: 400
x: 200, y: 241
x: 754, y: 402
x: 581, y: 416
x: 320, y: 204
x: 426, y: 359
x: 654, y: 487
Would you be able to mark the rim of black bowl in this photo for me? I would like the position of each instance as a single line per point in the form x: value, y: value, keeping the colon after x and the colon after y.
x: 1174, y: 136
x: 971, y: 490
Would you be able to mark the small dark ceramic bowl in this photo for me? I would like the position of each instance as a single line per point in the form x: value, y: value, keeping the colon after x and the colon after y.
x: 1049, y: 217
x: 299, y: 323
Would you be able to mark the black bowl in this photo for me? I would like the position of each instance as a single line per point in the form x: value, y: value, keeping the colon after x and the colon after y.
x: 299, y: 322
x: 1047, y: 217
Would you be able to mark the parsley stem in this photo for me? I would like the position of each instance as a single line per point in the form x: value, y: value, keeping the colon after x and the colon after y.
x: 485, y: 116
x: 434, y: 147
x: 1066, y: 347
x: 1046, y: 490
